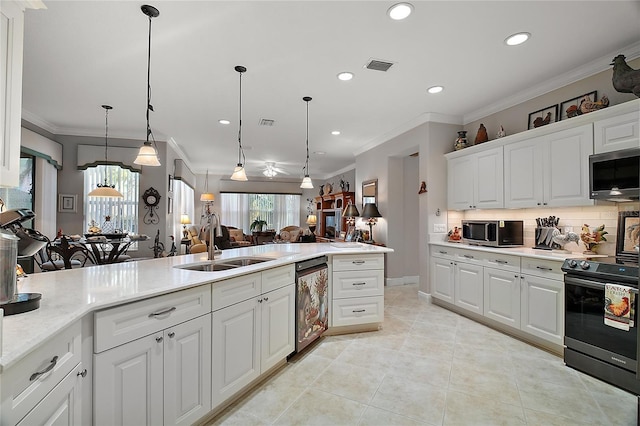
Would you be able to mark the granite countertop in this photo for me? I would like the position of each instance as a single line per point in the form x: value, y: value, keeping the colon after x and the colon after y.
x: 558, y: 255
x: 68, y: 295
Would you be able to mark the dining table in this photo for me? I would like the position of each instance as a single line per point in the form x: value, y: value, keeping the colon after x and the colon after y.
x: 108, y: 248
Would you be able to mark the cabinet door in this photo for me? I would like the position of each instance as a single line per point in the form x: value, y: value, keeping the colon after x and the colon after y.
x: 488, y: 181
x: 619, y: 132
x: 460, y: 172
x: 523, y: 174
x: 543, y: 308
x: 468, y: 291
x: 61, y: 406
x: 12, y: 27
x: 278, y: 326
x: 129, y: 383
x: 187, y: 371
x: 442, y: 279
x: 236, y: 350
x: 566, y: 167
x: 502, y: 296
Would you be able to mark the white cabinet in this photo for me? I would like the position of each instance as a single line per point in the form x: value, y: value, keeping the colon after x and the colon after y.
x: 468, y: 283
x: 164, y: 378
x: 12, y: 27
x: 357, y: 290
x: 442, y: 273
x: 152, y: 360
x: 550, y: 170
x: 45, y: 378
x: 476, y: 180
x: 615, y: 133
x: 252, y: 335
x: 502, y: 296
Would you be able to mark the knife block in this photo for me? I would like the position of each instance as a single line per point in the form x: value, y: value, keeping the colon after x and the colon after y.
x: 543, y: 234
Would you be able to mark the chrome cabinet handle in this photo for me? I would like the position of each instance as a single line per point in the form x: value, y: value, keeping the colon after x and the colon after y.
x: 359, y: 310
x: 171, y: 334
x: 359, y: 284
x: 159, y: 339
x: 37, y: 374
x: 82, y: 373
x: 166, y: 311
x: 543, y: 268
x: 358, y: 262
x: 503, y: 262
x: 443, y: 252
x: 467, y: 256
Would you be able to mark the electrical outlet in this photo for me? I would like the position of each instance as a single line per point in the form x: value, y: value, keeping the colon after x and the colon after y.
x: 439, y: 227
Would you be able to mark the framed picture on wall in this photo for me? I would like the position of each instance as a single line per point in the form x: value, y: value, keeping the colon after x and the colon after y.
x: 67, y: 203
x: 571, y: 107
x: 543, y: 116
x: 628, y: 234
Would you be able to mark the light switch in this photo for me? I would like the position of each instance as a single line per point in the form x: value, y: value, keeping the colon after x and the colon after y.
x: 439, y: 227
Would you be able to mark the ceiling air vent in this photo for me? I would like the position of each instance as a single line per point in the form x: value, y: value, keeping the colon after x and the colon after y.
x: 378, y: 65
x: 266, y: 122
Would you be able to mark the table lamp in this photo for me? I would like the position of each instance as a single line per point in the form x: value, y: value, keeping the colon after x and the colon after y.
x: 312, y: 221
x: 371, y: 214
x: 184, y: 221
x: 350, y: 212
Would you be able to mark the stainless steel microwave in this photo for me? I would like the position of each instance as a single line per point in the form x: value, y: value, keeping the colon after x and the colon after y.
x: 615, y: 176
x: 495, y: 233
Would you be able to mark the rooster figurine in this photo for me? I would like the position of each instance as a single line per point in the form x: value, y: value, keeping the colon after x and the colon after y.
x: 563, y: 239
x: 625, y: 79
x: 592, y: 239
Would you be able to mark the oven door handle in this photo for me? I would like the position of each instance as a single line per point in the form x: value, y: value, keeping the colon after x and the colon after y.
x: 591, y: 284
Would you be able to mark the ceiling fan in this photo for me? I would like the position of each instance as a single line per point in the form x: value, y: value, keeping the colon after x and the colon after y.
x: 270, y: 170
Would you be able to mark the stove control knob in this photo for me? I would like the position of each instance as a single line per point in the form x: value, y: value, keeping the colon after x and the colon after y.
x: 572, y: 263
x: 584, y: 265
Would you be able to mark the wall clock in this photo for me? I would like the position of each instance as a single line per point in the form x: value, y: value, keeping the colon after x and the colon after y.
x: 151, y: 198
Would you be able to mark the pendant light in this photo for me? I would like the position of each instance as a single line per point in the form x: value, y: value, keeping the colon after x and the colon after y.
x: 106, y: 190
x: 206, y: 196
x: 306, y: 182
x: 239, y: 172
x: 148, y: 154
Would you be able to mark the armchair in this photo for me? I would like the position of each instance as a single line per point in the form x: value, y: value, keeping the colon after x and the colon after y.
x: 238, y: 237
x: 292, y: 234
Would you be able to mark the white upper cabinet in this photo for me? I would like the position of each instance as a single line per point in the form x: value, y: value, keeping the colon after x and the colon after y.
x: 475, y: 181
x: 550, y: 170
x: 614, y: 133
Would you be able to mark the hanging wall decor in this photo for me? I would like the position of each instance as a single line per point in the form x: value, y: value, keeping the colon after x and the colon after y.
x: 151, y: 198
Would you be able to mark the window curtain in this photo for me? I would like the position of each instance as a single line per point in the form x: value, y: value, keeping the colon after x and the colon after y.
x: 279, y: 210
x: 183, y: 204
x: 234, y: 211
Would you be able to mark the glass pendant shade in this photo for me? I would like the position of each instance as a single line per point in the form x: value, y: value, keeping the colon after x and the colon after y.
x: 306, y: 183
x: 147, y: 156
x: 206, y: 196
x: 239, y: 173
x: 106, y: 190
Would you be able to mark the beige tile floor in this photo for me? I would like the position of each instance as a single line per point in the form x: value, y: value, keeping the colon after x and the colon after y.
x: 429, y: 366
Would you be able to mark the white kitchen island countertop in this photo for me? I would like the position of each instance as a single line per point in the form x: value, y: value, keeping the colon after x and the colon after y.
x: 68, y: 295
x: 559, y: 255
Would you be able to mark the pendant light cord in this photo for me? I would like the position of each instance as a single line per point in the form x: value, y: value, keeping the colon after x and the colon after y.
x: 106, y: 140
x: 240, y: 151
x: 149, y: 106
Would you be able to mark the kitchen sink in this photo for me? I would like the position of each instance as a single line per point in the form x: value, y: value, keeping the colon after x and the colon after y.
x: 223, y: 265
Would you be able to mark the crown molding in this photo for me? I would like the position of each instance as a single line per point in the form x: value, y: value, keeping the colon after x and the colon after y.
x: 345, y: 169
x: 600, y: 64
x: 181, y: 154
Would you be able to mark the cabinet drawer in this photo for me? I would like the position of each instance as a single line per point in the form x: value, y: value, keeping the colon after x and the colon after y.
x: 354, y: 262
x: 228, y: 292
x: 275, y: 278
x: 362, y: 310
x: 470, y: 256
x: 505, y: 262
x: 22, y: 385
x: 128, y: 322
x: 358, y: 283
x: 542, y: 268
x: 443, y: 252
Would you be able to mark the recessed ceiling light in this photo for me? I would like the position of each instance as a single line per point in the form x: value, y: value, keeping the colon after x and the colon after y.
x: 345, y: 76
x: 319, y: 152
x: 335, y: 132
x: 400, y: 11
x: 224, y: 121
x: 516, y: 39
x: 435, y: 89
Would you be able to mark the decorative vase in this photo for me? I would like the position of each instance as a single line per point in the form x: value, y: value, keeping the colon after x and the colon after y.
x: 107, y: 226
x: 321, y: 190
x: 461, y: 140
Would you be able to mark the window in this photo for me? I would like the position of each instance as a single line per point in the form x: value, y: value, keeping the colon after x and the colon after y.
x: 279, y: 210
x: 122, y: 211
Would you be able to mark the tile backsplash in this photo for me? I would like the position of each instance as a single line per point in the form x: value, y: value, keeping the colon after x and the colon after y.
x: 571, y: 219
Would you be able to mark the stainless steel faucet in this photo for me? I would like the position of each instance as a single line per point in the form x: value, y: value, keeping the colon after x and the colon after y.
x: 211, y: 215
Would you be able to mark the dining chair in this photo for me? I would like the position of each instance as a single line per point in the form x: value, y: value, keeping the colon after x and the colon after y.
x: 54, y: 257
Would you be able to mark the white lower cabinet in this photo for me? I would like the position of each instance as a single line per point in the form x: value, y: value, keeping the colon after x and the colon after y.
x: 163, y: 378
x: 468, y: 282
x: 502, y: 296
x: 250, y: 337
x: 543, y: 308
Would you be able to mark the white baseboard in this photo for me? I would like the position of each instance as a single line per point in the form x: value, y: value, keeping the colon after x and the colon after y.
x: 390, y: 282
x: 424, y: 296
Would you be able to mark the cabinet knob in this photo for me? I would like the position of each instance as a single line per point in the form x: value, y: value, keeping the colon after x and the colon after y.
x: 538, y: 204
x: 159, y: 339
x: 171, y: 334
x: 82, y: 373
x: 259, y: 300
x: 266, y: 299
